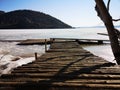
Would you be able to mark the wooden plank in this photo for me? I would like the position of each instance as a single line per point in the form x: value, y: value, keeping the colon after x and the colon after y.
x: 53, y: 75
x: 34, y: 41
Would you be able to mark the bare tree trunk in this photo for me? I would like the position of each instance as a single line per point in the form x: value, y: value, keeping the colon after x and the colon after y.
x: 107, y: 19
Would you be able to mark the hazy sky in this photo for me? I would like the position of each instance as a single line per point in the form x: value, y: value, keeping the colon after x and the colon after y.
x: 76, y: 13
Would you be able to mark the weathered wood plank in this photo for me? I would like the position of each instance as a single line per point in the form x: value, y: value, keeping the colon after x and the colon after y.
x: 34, y: 41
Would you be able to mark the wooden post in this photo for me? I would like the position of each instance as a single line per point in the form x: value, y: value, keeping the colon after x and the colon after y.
x: 35, y: 55
x: 45, y: 45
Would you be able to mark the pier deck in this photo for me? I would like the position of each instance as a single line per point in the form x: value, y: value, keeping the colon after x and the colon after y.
x: 65, y: 66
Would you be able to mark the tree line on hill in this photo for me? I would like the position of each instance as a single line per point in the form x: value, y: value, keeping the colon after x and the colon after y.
x: 28, y: 19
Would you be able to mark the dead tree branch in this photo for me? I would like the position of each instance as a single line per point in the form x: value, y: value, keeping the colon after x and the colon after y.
x: 116, y: 20
x: 108, y: 5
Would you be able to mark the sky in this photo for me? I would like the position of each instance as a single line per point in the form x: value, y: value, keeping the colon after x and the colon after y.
x: 77, y: 13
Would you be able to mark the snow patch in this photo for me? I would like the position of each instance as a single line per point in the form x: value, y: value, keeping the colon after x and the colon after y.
x: 9, y: 62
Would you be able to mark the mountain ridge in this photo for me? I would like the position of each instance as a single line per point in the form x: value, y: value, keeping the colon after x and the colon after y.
x: 29, y: 19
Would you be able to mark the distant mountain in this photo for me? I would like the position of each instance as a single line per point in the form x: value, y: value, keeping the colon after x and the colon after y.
x: 28, y: 19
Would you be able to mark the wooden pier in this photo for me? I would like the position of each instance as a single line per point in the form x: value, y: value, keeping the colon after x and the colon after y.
x: 65, y: 66
x: 49, y: 41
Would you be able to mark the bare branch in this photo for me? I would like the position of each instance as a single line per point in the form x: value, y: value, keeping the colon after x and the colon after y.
x: 108, y: 5
x: 116, y: 20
